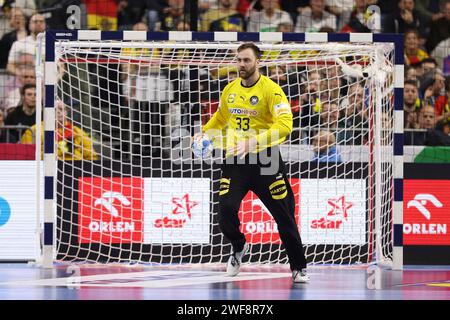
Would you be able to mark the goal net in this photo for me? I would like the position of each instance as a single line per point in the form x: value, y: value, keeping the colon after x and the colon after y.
x: 128, y: 188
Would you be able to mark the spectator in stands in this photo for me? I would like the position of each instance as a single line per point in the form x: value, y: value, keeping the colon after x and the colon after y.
x: 269, y: 18
x: 243, y: 6
x: 310, y: 99
x: 173, y: 15
x: 342, y: 9
x: 440, y: 27
x: 413, y: 53
x: 27, y: 75
x: 354, y: 115
x: 129, y: 12
x: 19, y: 32
x: 285, y: 27
x: 411, y: 73
x: 155, y: 13
x: 432, y: 90
x: 363, y: 20
x: 330, y: 118
x: 334, y: 85
x: 205, y: 5
x: 439, y: 136
x: 27, y: 45
x: 411, y: 104
x: 427, y: 117
x: 430, y: 9
x: 25, y: 113
x: 293, y: 7
x: 183, y: 26
x: 314, y: 17
x: 329, y: 114
x: 426, y: 120
x: 72, y: 142
x: 279, y: 75
x: 225, y: 18
x: 428, y: 64
x: 324, y: 145
x: 406, y: 18
x: 28, y: 6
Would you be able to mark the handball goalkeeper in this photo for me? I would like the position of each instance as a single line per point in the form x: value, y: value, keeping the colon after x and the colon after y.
x: 257, y: 117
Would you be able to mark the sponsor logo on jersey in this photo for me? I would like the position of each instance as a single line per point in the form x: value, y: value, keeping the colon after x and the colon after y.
x: 282, y: 108
x: 231, y: 97
x: 243, y: 112
x: 254, y: 100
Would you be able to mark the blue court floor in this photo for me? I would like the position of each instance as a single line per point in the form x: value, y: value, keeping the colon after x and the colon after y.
x: 119, y: 282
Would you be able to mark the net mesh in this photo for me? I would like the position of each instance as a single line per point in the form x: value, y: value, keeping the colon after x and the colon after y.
x: 128, y: 188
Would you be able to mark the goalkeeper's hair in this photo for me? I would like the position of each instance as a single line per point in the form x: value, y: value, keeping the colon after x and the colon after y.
x: 251, y: 45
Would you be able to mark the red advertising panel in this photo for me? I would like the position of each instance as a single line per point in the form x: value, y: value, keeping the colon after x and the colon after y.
x: 110, y: 210
x: 426, y: 212
x: 257, y: 223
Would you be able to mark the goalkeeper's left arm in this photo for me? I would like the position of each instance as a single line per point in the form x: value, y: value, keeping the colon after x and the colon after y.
x: 280, y: 129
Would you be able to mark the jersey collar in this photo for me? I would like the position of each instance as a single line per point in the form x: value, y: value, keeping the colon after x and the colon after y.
x: 252, y: 84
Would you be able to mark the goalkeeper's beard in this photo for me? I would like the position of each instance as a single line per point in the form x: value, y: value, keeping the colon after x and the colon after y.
x: 244, y: 74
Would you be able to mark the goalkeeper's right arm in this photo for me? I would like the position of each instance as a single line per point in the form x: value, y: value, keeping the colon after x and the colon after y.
x: 218, y: 121
x: 213, y: 128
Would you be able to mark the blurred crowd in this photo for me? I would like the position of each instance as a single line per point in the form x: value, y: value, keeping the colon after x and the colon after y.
x: 424, y: 23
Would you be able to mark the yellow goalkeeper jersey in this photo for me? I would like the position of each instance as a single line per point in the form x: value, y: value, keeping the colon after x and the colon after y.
x: 260, y: 111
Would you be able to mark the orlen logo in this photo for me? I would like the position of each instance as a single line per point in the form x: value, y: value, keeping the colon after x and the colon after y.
x: 180, y: 214
x: 263, y: 226
x: 107, y: 201
x: 5, y: 211
x: 257, y: 224
x: 335, y: 217
x: 421, y: 200
x: 426, y: 217
x: 110, y: 210
x: 424, y: 202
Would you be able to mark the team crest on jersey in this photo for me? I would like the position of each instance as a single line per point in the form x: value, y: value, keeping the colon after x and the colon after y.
x: 231, y: 97
x: 254, y: 100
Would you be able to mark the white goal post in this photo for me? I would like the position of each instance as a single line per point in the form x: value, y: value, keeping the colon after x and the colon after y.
x: 120, y: 181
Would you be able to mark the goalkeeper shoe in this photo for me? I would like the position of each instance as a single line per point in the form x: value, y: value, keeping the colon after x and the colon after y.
x: 235, y: 261
x: 300, y: 276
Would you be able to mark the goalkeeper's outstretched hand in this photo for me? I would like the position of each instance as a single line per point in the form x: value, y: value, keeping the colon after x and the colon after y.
x: 196, y: 136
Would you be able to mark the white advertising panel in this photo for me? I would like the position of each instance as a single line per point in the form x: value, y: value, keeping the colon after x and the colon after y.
x: 18, y: 210
x: 177, y: 210
x: 333, y: 211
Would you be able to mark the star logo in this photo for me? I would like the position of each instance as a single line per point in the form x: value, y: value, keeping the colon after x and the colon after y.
x: 337, y: 214
x: 339, y: 208
x: 183, y: 205
x: 180, y: 214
